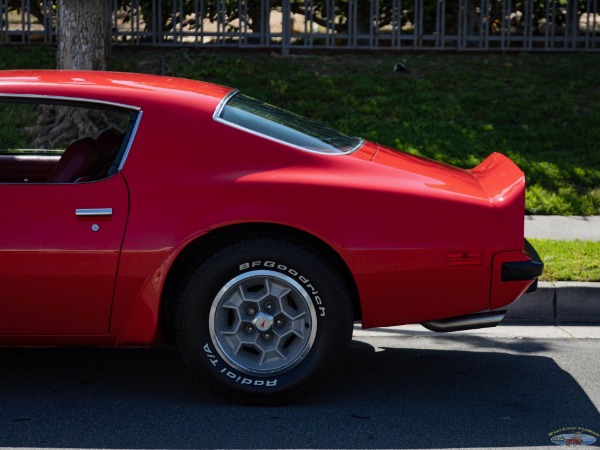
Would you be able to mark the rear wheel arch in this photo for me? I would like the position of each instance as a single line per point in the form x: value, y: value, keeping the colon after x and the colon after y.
x: 197, y: 251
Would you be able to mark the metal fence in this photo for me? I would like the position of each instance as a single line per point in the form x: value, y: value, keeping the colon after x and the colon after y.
x: 481, y: 25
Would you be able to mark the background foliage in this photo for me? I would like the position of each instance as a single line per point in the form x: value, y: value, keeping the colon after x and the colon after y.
x: 541, y: 110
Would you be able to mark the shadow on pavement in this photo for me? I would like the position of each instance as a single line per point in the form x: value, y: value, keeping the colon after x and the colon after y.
x: 384, y: 397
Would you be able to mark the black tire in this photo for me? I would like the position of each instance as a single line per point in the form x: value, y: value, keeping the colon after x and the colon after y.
x: 264, y: 321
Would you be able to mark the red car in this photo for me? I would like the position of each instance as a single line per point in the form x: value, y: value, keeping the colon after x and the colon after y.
x: 140, y: 210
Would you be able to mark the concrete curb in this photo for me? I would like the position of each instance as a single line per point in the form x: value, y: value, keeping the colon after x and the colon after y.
x: 558, y: 302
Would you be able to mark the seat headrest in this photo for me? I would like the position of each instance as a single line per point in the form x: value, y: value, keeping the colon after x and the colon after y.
x: 79, y: 159
x: 109, y: 141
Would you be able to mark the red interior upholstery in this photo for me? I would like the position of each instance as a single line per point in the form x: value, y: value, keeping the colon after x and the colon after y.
x: 79, y: 159
x: 26, y: 168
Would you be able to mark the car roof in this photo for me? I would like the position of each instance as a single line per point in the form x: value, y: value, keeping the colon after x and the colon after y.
x: 121, y: 87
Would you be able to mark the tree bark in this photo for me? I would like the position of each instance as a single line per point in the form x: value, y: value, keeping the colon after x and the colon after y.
x: 83, y: 34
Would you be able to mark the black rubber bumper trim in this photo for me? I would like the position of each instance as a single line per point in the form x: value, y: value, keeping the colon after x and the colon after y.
x: 523, y: 270
x: 532, y: 287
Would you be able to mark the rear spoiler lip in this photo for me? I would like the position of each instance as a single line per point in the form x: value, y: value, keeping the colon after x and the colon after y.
x: 504, y: 184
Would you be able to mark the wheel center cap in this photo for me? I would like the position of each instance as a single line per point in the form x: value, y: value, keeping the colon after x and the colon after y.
x: 263, y: 322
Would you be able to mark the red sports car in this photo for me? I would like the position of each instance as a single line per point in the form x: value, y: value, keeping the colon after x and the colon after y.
x: 140, y: 210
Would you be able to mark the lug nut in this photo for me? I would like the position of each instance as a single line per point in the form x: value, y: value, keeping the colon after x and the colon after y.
x: 269, y: 306
x: 251, y: 310
x: 266, y: 336
x: 250, y: 328
x: 279, y: 322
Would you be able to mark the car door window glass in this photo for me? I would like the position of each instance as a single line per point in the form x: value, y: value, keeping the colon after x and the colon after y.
x: 60, y: 143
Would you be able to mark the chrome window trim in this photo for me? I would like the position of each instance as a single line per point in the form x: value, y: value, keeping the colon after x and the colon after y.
x: 232, y: 93
x: 69, y: 99
x: 222, y: 104
x: 131, y: 138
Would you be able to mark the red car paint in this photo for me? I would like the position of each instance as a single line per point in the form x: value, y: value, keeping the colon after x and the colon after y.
x: 422, y: 240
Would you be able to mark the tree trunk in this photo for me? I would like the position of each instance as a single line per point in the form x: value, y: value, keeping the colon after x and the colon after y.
x: 83, y: 34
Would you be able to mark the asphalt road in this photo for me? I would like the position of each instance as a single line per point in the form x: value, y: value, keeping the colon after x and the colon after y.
x: 403, y: 390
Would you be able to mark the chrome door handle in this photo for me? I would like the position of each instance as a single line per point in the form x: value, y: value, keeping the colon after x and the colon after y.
x: 93, y: 212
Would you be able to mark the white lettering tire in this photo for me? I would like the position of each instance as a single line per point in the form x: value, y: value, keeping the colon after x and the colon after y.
x: 264, y: 321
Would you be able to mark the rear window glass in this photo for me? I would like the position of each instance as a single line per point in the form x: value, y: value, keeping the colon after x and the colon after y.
x: 285, y: 126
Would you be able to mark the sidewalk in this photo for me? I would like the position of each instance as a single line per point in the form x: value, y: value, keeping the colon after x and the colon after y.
x: 560, y: 302
x: 563, y: 228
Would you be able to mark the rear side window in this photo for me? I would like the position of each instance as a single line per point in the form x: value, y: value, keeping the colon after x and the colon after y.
x: 284, y: 126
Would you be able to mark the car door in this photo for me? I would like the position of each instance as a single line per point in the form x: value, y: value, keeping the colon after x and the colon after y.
x: 63, y: 217
x: 59, y: 254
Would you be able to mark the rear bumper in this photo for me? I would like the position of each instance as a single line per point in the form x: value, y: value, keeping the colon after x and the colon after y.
x: 511, y: 279
x: 524, y: 270
x: 514, y: 273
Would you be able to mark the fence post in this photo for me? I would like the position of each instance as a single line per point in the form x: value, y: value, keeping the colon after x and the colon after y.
x: 286, y: 24
x: 524, y: 25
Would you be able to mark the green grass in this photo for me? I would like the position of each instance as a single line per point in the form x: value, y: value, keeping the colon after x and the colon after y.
x: 27, y: 57
x: 542, y: 110
x: 569, y: 260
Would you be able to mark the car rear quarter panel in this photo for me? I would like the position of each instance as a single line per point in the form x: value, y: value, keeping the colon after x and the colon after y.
x: 396, y: 231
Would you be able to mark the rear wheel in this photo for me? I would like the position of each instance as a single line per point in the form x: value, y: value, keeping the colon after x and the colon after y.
x: 264, y: 321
